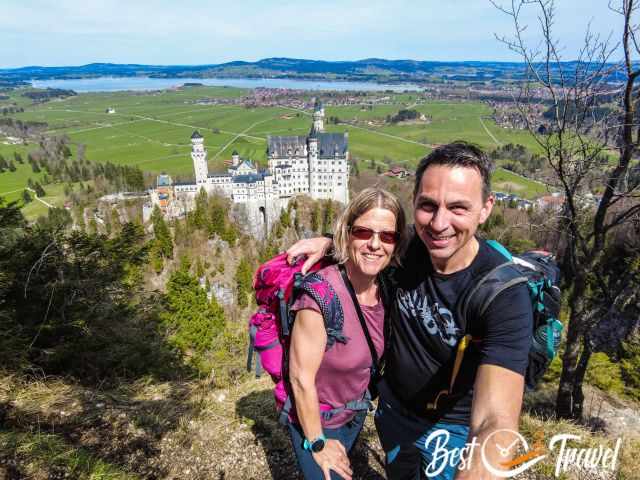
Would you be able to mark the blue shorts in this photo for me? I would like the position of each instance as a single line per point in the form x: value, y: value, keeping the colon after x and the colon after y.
x: 347, y: 434
x: 415, y: 448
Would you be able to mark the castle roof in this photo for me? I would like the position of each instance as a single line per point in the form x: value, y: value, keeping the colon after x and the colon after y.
x: 328, y: 144
x: 164, y: 180
x: 317, y: 105
x: 331, y: 143
x: 281, y: 145
x: 245, y: 162
x: 196, y: 134
x: 249, y: 178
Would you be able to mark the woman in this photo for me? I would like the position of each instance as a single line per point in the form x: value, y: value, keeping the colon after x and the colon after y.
x: 367, y: 239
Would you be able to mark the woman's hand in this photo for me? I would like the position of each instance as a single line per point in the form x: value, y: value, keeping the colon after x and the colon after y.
x: 313, y: 248
x: 333, y: 457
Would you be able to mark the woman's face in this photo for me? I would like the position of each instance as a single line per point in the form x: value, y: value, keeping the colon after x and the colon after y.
x: 372, y: 255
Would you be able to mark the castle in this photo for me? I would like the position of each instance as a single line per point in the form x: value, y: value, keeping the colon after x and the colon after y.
x: 316, y: 165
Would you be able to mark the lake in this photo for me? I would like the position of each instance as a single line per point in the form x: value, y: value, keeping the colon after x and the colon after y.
x: 117, y: 84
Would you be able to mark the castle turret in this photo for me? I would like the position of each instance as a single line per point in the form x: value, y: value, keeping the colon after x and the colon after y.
x: 318, y: 116
x: 199, y: 157
x: 235, y: 158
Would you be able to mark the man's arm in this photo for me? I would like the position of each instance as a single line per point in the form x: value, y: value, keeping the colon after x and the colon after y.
x: 313, y: 248
x: 497, y: 400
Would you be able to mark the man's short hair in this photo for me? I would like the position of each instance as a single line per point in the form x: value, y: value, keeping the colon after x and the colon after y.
x: 458, y: 154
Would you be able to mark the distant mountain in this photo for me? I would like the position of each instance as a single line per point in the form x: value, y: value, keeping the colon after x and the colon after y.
x: 370, y: 69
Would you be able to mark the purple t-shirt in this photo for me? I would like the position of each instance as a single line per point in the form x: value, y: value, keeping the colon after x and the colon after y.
x: 344, y: 372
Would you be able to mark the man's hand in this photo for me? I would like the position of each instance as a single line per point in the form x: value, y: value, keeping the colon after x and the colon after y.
x: 313, y: 248
x: 497, y: 399
x: 333, y: 457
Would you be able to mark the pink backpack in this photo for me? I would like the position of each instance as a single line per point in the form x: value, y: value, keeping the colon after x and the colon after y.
x: 276, y: 285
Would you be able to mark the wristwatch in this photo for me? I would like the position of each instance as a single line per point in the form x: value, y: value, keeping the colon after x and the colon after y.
x: 316, y: 445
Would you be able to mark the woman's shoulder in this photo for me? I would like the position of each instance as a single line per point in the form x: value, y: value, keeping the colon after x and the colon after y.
x: 330, y: 274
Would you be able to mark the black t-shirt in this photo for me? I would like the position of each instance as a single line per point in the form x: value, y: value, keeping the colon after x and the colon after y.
x: 425, y: 332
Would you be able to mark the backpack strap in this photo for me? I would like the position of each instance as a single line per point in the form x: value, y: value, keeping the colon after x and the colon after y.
x: 328, y: 301
x: 363, y: 322
x: 474, y: 303
x: 478, y: 298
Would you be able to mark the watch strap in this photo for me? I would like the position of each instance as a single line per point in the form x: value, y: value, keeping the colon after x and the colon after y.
x: 308, y: 445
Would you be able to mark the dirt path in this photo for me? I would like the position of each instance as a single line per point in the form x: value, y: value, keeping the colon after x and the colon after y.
x: 495, y: 140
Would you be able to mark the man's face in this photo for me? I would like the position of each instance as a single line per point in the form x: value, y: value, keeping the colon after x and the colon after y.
x: 448, y: 208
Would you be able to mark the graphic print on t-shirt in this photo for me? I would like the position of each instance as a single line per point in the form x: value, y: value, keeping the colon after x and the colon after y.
x: 436, y: 319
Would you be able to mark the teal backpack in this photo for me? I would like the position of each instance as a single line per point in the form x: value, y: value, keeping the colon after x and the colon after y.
x: 540, y: 272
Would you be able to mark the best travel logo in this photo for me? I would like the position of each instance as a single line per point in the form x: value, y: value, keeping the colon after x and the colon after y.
x: 515, y: 456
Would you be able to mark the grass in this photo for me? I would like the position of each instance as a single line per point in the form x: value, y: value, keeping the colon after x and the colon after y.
x: 509, y: 182
x: 49, y: 452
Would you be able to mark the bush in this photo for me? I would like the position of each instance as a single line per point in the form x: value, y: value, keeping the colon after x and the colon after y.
x: 630, y: 366
x: 604, y: 374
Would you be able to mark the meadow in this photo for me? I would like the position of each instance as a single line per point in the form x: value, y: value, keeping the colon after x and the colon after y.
x: 152, y: 130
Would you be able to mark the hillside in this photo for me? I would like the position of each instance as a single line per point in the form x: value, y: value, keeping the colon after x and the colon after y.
x: 54, y: 428
x: 371, y: 69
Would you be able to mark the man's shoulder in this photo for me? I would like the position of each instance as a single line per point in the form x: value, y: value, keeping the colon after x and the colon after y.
x: 486, y: 260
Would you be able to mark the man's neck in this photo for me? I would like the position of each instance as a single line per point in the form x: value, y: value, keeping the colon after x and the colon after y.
x: 460, y: 260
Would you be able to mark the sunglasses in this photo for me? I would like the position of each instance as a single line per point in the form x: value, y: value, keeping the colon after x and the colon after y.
x: 364, y: 233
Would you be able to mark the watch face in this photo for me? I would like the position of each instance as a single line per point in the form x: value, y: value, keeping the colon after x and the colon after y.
x: 317, y: 446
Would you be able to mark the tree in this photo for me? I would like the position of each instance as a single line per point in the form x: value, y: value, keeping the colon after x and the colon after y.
x: 162, y: 245
x: 12, y: 166
x: 17, y: 157
x: 600, y: 303
x: 3, y: 164
x: 26, y: 197
x: 244, y: 279
x: 327, y: 217
x: 39, y: 190
x: 198, y: 217
x: 217, y: 218
x: 192, y: 320
x: 285, y: 218
x: 315, y: 217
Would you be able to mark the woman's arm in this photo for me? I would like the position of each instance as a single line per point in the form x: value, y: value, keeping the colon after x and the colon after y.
x: 308, y: 343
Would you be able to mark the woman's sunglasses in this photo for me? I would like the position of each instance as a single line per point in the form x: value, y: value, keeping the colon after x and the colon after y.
x: 364, y: 233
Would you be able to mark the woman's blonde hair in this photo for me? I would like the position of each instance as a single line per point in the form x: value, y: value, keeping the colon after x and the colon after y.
x: 367, y: 199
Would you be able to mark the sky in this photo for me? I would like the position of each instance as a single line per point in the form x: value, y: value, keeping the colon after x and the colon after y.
x: 192, y: 32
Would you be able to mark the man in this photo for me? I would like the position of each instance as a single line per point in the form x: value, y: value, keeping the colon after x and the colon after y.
x: 435, y: 397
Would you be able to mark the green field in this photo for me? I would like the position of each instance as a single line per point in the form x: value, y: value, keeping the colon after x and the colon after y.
x: 152, y: 130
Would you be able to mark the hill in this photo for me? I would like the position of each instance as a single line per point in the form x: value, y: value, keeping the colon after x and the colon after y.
x: 371, y: 69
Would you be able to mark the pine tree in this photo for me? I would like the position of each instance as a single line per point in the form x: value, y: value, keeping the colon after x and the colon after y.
x: 162, y: 234
x: 198, y: 216
x: 193, y: 322
x: 39, y: 190
x: 3, y: 164
x: 218, y: 219
x: 17, y: 157
x: 327, y: 217
x: 315, y: 217
x: 26, y: 197
x: 243, y: 282
x: 12, y: 166
x: 285, y: 218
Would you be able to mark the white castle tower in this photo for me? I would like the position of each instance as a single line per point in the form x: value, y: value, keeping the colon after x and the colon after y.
x: 312, y: 158
x: 318, y: 116
x: 199, y: 157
